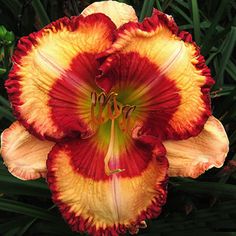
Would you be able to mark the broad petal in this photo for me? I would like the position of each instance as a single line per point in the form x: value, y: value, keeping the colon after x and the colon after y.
x: 53, y: 75
x: 24, y: 155
x: 120, y: 13
x: 162, y: 73
x: 192, y: 157
x: 101, y: 204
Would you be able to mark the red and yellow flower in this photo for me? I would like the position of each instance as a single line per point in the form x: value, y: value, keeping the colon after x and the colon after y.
x: 103, y: 104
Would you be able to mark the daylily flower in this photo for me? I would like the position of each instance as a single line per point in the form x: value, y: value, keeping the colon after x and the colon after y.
x: 103, y: 104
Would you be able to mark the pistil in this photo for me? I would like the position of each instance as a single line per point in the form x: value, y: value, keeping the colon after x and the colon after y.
x: 110, y: 152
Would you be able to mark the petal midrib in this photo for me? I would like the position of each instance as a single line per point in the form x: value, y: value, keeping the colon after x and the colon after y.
x: 115, y: 192
x: 161, y: 71
x: 62, y: 72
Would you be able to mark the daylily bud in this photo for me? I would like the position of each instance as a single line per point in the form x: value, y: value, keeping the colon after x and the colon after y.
x: 3, y: 31
x: 9, y: 37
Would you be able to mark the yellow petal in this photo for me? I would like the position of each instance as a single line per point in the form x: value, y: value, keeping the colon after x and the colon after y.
x: 120, y: 13
x: 93, y: 201
x: 23, y: 154
x: 54, y: 71
x: 193, y: 156
x: 178, y: 87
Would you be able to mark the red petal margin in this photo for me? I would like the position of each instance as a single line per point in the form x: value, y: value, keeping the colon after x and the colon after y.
x: 92, y: 202
x: 53, y: 75
x: 180, y: 62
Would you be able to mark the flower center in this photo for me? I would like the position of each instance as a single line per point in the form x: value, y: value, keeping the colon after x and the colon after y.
x: 106, y: 108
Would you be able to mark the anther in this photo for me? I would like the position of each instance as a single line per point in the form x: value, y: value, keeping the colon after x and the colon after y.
x: 98, y: 119
x: 129, y: 111
x: 113, y: 104
x: 111, y: 172
x: 111, y: 95
x: 125, y: 122
x: 94, y: 98
x: 102, y: 98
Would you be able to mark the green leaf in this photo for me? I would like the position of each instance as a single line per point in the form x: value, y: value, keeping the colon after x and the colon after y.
x: 183, y: 4
x: 204, y: 218
x: 209, y: 188
x: 227, y: 51
x: 11, y: 185
x: 223, y: 91
x: 196, y: 21
x: 228, y: 101
x: 41, y: 13
x: 24, y: 229
x: 26, y: 209
x: 232, y: 138
x: 166, y: 4
x: 231, y: 69
x: 12, y: 232
x: 6, y: 113
x: 181, y: 13
x: 4, y: 102
x: 14, y: 6
x: 206, y: 46
x: 3, y: 32
x: 18, y: 222
x: 146, y: 9
x: 53, y: 228
x: 158, y: 5
x: 211, y: 57
x: 2, y: 71
x: 39, y: 183
x: 203, y: 25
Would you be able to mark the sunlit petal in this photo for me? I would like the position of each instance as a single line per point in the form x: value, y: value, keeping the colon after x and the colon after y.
x: 108, y: 204
x: 53, y: 75
x: 120, y: 13
x: 24, y: 155
x: 192, y: 157
x: 162, y: 73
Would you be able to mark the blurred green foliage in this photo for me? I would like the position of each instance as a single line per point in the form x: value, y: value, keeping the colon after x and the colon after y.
x: 205, y: 206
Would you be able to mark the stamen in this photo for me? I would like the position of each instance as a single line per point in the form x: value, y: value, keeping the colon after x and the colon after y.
x: 110, y: 152
x: 99, y: 116
x: 129, y: 111
x: 94, y: 98
x: 93, y: 105
x: 102, y: 98
x: 112, y: 94
x: 117, y: 108
x: 125, y: 122
x: 101, y: 102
